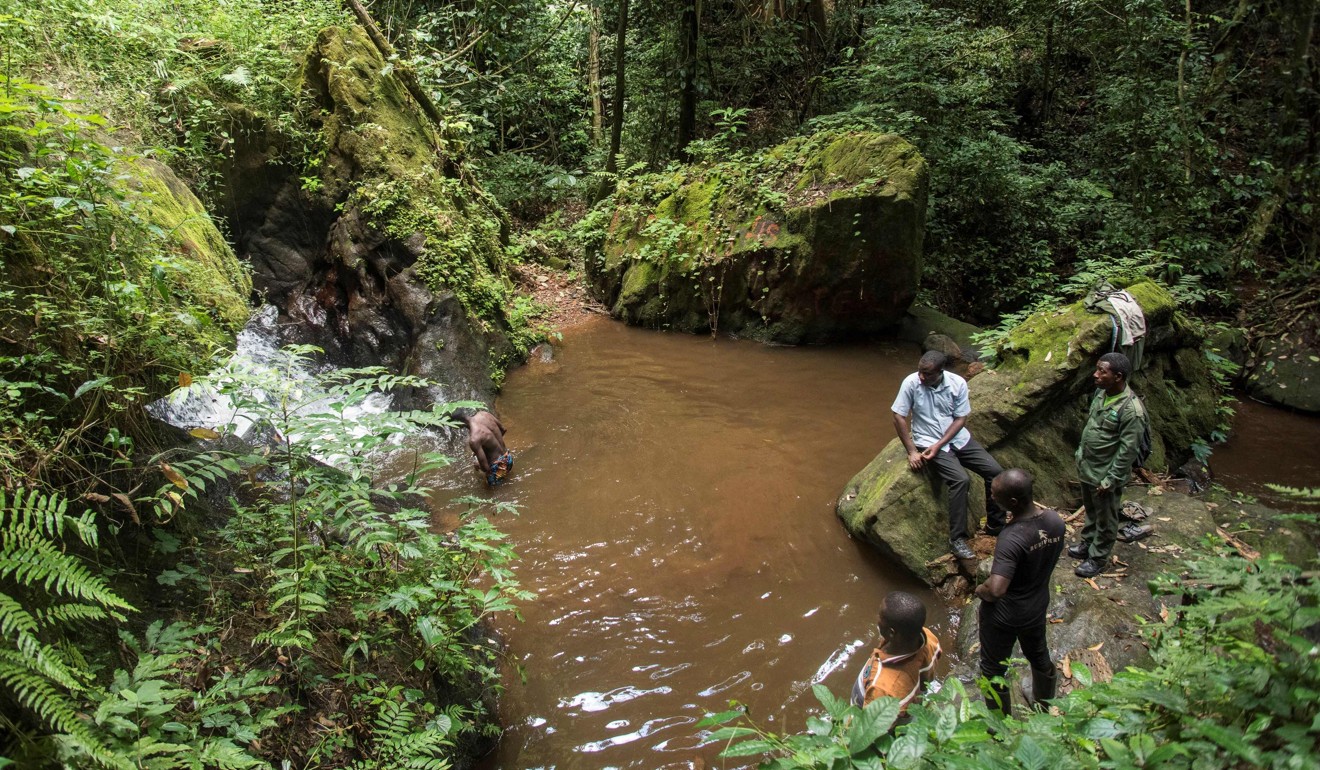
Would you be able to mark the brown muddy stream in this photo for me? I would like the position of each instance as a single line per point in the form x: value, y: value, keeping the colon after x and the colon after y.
x: 677, y: 525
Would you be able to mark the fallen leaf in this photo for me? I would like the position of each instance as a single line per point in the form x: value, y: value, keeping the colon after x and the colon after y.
x: 185, y: 379
x: 242, y: 570
x: 1048, y: 356
x: 95, y: 498
x: 1056, y: 620
x: 123, y: 500
x: 1163, y: 518
x: 1067, y: 666
x: 1155, y: 491
x: 1096, y: 648
x: 174, y: 476
x: 204, y: 433
x: 1092, y: 582
x: 1164, y: 612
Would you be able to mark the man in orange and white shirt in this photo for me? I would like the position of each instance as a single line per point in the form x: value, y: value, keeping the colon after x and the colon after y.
x: 904, y: 661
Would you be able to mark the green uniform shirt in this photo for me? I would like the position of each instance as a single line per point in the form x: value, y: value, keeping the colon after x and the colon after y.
x: 1110, y: 440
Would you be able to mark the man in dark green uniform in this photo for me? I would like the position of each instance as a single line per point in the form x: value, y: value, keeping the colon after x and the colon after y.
x: 1108, y: 449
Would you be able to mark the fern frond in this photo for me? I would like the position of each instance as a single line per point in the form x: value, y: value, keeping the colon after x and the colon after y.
x: 32, y: 559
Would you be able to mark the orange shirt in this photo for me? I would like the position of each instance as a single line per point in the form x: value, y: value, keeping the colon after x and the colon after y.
x: 897, y: 676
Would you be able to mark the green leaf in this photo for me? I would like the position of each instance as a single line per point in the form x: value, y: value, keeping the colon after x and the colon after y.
x: 749, y: 748
x: 90, y: 385
x: 907, y: 750
x: 1030, y: 754
x: 875, y: 720
x: 730, y: 733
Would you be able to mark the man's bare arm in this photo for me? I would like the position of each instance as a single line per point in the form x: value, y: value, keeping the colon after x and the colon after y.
x: 901, y: 427
x: 993, y: 589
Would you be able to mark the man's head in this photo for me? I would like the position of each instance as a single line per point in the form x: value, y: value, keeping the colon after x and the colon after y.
x: 1012, y: 490
x: 463, y: 416
x: 1112, y: 372
x: 930, y: 369
x: 902, y: 616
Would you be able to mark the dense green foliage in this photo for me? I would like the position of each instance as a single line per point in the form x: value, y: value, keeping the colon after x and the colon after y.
x: 101, y: 307
x: 1233, y: 683
x: 340, y: 607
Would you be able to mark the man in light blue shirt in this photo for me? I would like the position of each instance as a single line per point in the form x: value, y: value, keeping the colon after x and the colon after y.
x: 937, y: 403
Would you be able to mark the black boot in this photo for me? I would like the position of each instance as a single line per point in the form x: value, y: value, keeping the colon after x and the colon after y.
x: 1044, y: 687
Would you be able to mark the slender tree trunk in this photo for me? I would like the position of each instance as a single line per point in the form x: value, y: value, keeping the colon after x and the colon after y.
x: 1182, y: 91
x: 687, y: 69
x: 593, y: 78
x: 616, y: 126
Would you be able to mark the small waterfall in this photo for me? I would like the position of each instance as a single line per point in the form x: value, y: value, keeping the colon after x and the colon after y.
x: 258, y: 353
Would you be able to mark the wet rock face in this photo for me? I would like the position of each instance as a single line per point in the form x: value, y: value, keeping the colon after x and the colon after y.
x: 816, y: 239
x: 1287, y: 374
x: 1028, y: 412
x: 383, y: 255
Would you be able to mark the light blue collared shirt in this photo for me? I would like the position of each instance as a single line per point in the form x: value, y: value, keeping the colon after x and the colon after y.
x: 932, y: 410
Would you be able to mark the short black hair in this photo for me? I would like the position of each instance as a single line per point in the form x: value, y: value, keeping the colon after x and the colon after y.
x: 1016, y: 483
x: 904, y: 613
x: 1118, y: 364
x: 463, y: 414
x: 934, y: 358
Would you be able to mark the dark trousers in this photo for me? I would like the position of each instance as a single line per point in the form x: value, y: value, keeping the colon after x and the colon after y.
x: 1101, y: 529
x: 997, y: 642
x: 949, y: 466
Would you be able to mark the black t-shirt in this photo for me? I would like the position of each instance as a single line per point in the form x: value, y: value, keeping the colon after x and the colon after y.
x: 1025, y: 554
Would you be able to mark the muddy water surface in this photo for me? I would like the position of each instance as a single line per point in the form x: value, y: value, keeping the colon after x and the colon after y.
x: 1269, y: 445
x: 678, y: 529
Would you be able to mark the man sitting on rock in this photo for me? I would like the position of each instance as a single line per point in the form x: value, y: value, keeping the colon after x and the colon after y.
x: 486, y: 440
x: 1110, y: 443
x: 905, y: 658
x: 937, y: 403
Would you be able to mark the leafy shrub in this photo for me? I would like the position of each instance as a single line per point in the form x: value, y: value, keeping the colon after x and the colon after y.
x: 1233, y: 683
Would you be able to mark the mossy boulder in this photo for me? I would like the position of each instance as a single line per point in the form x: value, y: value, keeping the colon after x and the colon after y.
x: 381, y: 249
x: 208, y: 273
x: 1028, y: 412
x: 815, y: 239
x: 1286, y: 373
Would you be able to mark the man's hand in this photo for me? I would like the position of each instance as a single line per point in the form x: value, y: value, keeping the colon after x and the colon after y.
x: 916, y: 459
x: 1102, y: 488
x: 929, y: 453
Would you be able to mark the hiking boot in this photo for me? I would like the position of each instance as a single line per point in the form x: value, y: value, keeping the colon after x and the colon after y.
x: 1078, y: 550
x: 993, y: 530
x: 1132, y: 532
x: 1090, y: 568
x: 1044, y: 688
x: 961, y: 550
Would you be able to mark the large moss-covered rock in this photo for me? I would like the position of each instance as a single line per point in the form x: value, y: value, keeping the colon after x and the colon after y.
x: 1028, y: 412
x: 380, y: 249
x: 815, y: 239
x: 208, y: 273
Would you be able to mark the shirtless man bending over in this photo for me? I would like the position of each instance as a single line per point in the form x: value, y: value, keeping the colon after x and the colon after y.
x: 486, y: 440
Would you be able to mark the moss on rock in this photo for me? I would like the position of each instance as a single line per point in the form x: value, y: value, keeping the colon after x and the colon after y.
x: 814, y: 239
x: 209, y: 274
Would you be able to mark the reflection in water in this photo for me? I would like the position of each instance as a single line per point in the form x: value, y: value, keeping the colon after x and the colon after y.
x: 678, y: 528
x: 1269, y: 445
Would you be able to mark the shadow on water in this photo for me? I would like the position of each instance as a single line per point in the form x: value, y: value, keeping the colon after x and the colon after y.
x: 677, y: 525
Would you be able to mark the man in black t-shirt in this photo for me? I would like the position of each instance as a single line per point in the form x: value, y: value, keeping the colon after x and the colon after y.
x: 1015, y: 598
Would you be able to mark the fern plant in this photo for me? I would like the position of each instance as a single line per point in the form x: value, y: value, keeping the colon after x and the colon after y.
x: 46, y: 594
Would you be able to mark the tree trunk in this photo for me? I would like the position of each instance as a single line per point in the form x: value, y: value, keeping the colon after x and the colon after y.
x: 593, y: 78
x: 616, y: 126
x: 687, y: 73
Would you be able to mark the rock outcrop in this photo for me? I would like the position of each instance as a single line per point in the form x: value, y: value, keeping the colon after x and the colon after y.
x: 1028, y: 412
x: 1286, y: 372
x: 815, y: 239
x: 379, y: 249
